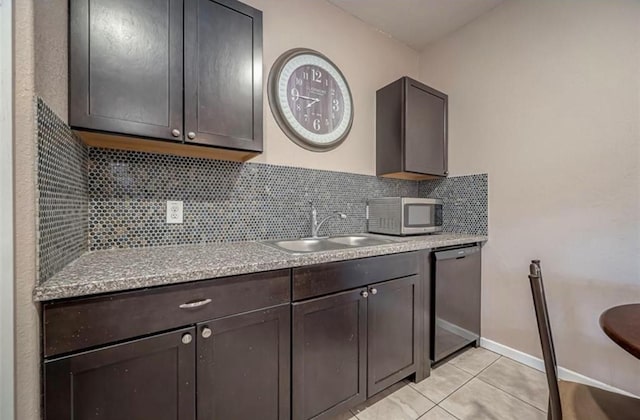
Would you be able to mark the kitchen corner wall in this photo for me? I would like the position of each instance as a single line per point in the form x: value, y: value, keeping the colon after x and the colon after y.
x: 62, y: 193
x: 545, y: 97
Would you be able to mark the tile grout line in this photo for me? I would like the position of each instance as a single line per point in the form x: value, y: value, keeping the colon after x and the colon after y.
x: 437, y: 404
x: 448, y: 412
x: 503, y: 390
x: 514, y: 396
x: 451, y: 393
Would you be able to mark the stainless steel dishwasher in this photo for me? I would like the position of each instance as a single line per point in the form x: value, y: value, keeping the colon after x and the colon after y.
x: 455, y: 301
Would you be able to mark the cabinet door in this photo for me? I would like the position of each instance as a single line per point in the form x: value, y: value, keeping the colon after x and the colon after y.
x: 425, y: 149
x: 392, y: 332
x: 149, y: 378
x: 223, y: 74
x: 329, y: 354
x: 125, y: 67
x: 244, y: 366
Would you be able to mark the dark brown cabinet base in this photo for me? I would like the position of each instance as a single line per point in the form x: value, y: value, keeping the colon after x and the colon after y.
x: 243, y: 366
x: 245, y: 351
x: 329, y: 354
x: 392, y: 313
x: 350, y: 345
x: 149, y: 378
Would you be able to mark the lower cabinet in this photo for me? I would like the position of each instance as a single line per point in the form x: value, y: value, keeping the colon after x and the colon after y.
x: 243, y: 366
x: 392, y: 332
x: 329, y: 354
x: 349, y: 346
x: 148, y: 378
x: 230, y: 368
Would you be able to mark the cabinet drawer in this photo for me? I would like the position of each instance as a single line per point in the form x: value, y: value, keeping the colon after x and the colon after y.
x: 323, y: 279
x: 82, y: 323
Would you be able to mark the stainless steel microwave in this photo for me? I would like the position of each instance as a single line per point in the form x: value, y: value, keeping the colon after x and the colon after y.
x: 405, y: 216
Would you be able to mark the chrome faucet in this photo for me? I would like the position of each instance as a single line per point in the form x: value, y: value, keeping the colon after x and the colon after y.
x: 315, y: 226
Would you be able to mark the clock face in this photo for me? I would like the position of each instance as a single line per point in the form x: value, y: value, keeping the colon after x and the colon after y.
x: 311, y: 100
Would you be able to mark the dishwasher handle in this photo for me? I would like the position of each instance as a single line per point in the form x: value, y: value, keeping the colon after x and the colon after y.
x: 457, y: 253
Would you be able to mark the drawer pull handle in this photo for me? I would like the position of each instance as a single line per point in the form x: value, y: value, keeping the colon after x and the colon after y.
x: 374, y: 291
x: 196, y: 304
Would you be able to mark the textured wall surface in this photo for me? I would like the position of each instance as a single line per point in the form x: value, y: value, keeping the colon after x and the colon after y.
x: 63, y: 193
x: 223, y: 201
x: 464, y: 202
x: 545, y: 97
x: 27, y: 333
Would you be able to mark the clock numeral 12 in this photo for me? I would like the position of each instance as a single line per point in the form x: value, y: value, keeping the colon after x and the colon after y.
x: 316, y: 75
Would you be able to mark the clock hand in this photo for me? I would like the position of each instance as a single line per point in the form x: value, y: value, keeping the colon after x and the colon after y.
x: 308, y: 98
x: 314, y: 101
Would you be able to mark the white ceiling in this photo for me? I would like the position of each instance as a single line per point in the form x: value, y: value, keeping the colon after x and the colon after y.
x: 416, y: 22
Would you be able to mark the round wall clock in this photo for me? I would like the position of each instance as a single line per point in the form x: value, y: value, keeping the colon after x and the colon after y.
x: 310, y: 99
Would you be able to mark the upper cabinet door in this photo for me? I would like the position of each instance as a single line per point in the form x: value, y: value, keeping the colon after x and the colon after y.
x: 125, y: 67
x: 223, y: 74
x: 411, y: 131
x: 425, y: 130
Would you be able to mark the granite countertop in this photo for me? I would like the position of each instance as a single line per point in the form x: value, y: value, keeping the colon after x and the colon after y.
x: 127, y: 269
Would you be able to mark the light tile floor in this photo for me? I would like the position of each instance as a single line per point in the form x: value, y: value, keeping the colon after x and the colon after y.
x: 478, y: 384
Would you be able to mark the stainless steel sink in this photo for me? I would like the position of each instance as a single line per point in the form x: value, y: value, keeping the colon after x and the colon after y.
x: 358, y: 240
x: 306, y: 245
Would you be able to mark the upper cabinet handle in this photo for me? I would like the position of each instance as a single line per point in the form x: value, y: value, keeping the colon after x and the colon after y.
x: 197, y: 304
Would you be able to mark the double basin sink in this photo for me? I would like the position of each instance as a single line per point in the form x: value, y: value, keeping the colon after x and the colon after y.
x: 306, y: 245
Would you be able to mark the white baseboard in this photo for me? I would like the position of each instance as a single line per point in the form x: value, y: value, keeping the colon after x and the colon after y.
x: 538, y: 364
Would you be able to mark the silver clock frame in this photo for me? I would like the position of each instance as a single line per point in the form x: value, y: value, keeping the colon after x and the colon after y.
x: 274, y: 104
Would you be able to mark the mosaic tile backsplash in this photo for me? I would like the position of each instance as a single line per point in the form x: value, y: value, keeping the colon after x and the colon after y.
x: 223, y: 201
x: 62, y: 193
x: 465, y: 202
x: 95, y: 199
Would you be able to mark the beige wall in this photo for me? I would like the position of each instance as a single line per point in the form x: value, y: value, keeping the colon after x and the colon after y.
x: 51, y: 53
x: 368, y: 59
x: 26, y: 317
x: 545, y: 97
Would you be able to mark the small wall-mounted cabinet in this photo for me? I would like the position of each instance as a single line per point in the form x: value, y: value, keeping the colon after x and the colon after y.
x: 411, y: 131
x: 168, y: 76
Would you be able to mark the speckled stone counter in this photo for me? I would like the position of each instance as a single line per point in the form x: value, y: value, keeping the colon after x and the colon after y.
x: 118, y: 270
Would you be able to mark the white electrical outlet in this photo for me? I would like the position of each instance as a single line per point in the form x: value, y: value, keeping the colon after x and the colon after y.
x: 174, y: 212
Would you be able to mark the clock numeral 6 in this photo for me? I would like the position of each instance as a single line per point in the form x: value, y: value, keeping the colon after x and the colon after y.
x: 316, y: 124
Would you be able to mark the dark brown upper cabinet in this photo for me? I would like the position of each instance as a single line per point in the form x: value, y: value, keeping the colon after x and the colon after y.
x: 411, y: 131
x: 167, y: 76
x: 223, y: 74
